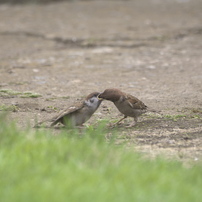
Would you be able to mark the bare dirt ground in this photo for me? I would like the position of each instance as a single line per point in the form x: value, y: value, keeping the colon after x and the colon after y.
x: 151, y: 49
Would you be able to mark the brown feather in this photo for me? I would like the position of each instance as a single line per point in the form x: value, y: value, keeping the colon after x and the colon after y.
x: 127, y: 104
x: 135, y: 102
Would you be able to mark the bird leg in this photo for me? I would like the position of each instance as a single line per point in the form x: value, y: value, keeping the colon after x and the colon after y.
x: 132, y: 124
x: 112, y: 125
x: 120, y: 120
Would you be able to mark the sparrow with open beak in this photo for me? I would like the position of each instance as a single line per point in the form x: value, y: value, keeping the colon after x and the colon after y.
x: 77, y: 114
x: 125, y: 103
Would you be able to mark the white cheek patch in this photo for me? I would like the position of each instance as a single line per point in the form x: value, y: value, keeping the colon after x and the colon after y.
x: 93, y: 104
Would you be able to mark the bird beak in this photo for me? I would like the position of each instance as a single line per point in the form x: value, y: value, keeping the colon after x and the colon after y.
x: 99, y: 98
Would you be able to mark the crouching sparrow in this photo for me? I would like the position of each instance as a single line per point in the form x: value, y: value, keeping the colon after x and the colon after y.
x: 125, y: 103
x: 77, y: 114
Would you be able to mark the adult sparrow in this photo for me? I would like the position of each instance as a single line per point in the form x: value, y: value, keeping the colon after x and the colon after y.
x: 125, y: 103
x: 77, y: 114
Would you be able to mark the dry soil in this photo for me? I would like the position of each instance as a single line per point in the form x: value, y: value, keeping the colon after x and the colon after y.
x: 53, y: 54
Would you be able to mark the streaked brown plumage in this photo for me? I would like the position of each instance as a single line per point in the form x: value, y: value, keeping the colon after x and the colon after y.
x: 125, y: 103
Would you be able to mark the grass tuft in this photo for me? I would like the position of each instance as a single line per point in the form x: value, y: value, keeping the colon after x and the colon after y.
x: 175, y: 117
x: 12, y: 108
x: 9, y: 92
x: 37, y: 165
x: 30, y: 95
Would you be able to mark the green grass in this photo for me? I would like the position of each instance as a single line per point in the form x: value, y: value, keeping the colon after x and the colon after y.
x: 12, y: 108
x: 9, y: 92
x: 175, y: 117
x: 53, y: 108
x: 36, y: 165
x: 30, y: 95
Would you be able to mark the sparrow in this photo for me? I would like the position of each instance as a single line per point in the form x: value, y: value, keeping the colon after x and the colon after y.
x: 77, y: 114
x: 125, y: 103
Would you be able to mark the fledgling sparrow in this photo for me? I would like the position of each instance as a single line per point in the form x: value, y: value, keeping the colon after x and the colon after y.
x: 77, y: 114
x: 125, y: 103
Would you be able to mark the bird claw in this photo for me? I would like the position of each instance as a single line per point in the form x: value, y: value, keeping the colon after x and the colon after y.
x: 131, y: 125
x: 112, y: 125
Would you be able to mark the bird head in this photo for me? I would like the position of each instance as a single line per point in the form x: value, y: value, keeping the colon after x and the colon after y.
x: 111, y: 94
x: 93, y: 101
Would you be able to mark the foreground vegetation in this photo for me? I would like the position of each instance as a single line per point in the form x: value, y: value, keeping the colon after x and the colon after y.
x: 36, y: 165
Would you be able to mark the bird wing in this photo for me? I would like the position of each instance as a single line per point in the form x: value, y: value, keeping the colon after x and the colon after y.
x: 68, y: 111
x: 135, y: 103
x: 65, y: 112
